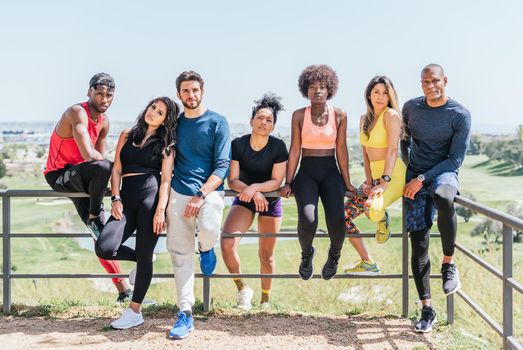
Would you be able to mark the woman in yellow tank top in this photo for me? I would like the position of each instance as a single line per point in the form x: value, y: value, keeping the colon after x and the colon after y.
x: 380, y: 130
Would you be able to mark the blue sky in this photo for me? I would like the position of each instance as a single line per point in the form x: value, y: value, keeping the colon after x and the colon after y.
x: 50, y: 49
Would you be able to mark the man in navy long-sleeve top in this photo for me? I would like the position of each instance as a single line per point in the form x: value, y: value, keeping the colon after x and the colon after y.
x: 202, y: 159
x: 437, y: 133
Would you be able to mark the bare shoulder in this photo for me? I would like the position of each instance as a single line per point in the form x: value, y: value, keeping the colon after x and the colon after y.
x: 76, y: 115
x: 297, y: 116
x: 340, y: 113
x: 125, y: 133
x: 391, y: 114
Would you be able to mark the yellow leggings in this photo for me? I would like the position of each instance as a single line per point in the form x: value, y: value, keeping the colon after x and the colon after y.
x: 393, y: 191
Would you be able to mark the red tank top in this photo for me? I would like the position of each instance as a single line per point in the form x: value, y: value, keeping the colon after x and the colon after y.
x: 63, y: 151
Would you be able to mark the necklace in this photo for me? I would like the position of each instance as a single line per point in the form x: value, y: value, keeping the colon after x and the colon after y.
x: 319, y: 118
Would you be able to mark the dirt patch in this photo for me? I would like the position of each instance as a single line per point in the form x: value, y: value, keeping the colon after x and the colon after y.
x: 242, y: 331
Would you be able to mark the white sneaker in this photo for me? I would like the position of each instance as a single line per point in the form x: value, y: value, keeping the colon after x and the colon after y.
x: 243, y: 298
x: 132, y: 274
x: 265, y: 306
x: 128, y: 319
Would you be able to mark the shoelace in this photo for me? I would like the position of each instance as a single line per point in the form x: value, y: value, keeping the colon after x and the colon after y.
x: 426, y: 315
x: 448, y: 273
x: 182, y: 319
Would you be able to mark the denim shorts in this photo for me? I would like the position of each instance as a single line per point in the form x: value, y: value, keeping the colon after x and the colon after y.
x: 420, y: 212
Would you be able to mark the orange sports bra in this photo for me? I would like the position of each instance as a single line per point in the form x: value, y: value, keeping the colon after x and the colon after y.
x: 377, y: 136
x: 319, y: 137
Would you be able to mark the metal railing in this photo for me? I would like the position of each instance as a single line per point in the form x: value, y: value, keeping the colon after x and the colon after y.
x: 509, y: 283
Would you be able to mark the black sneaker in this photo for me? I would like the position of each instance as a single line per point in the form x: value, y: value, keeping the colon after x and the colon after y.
x: 95, y: 226
x: 427, y: 320
x: 331, y: 266
x: 306, y: 269
x: 125, y: 296
x: 450, y: 277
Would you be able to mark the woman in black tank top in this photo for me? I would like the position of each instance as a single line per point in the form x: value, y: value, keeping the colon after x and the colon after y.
x: 258, y: 165
x: 143, y: 165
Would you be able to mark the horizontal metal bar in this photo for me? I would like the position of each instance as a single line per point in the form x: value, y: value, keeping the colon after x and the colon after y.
x: 509, y: 220
x: 515, y: 284
x: 480, y: 261
x: 199, y: 275
x: 513, y: 342
x: 491, y: 322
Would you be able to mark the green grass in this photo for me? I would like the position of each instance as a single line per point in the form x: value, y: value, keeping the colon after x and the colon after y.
x: 378, y: 297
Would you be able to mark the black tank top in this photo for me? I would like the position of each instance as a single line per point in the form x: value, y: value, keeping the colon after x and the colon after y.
x: 139, y: 159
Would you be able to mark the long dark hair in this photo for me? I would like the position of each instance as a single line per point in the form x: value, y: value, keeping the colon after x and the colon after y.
x: 165, y: 136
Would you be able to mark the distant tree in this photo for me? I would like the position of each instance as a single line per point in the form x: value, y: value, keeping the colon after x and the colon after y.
x: 3, y: 169
x: 519, y: 132
x: 516, y: 209
x: 477, y: 142
x: 464, y: 212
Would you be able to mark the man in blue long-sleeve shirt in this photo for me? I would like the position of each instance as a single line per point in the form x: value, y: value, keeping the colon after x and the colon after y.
x: 437, y: 132
x: 203, y: 147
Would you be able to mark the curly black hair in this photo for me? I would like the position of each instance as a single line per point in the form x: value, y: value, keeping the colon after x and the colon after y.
x: 318, y: 72
x: 271, y: 101
x: 165, y: 136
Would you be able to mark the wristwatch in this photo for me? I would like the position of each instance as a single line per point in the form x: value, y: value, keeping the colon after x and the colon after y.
x: 200, y: 194
x: 116, y: 199
x: 386, y: 178
x: 421, y: 177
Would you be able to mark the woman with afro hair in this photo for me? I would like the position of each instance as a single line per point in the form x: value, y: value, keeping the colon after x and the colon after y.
x: 318, y: 136
x: 258, y: 165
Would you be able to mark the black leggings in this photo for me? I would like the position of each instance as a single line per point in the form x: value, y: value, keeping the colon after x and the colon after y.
x: 319, y: 177
x: 140, y: 198
x: 88, y: 177
x: 447, y: 225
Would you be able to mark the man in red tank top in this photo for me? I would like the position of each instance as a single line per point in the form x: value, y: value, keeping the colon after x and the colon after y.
x: 76, y: 162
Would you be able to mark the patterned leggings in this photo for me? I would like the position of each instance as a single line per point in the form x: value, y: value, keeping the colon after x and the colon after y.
x: 354, y: 206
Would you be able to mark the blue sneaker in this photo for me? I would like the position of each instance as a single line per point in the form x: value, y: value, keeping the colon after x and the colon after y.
x: 207, y: 262
x: 183, y: 326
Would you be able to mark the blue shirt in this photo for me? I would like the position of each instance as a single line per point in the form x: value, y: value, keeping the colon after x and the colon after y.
x: 203, y: 148
x: 436, y: 137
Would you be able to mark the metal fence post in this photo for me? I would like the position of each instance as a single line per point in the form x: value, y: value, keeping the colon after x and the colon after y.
x: 450, y: 309
x: 404, y: 262
x: 6, y: 245
x: 206, y: 293
x: 507, y: 289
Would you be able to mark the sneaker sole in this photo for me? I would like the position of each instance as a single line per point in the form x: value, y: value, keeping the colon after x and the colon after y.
x: 428, y: 329
x: 365, y: 273
x: 181, y: 336
x: 312, y: 274
x: 458, y: 287
x: 131, y: 325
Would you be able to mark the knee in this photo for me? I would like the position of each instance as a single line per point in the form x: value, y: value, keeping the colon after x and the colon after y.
x: 444, y: 196
x: 227, y: 245
x: 308, y: 220
x: 103, y: 252
x: 103, y: 167
x: 266, y: 257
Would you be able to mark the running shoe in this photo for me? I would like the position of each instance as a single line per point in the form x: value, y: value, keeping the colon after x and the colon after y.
x: 383, y: 229
x: 125, y: 296
x: 243, y: 298
x: 128, y: 319
x: 331, y: 266
x: 427, y: 320
x: 364, y: 268
x: 182, y: 327
x: 265, y: 306
x: 207, y: 262
x: 450, y: 278
x: 95, y: 226
x: 306, y: 269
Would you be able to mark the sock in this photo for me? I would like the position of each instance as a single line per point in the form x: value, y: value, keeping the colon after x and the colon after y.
x: 240, y: 284
x: 265, y: 296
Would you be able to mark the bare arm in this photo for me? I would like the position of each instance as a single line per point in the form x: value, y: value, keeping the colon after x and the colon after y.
x: 233, y: 180
x: 342, y: 155
x: 101, y: 143
x: 163, y: 193
x: 116, y: 176
x: 79, y: 124
x: 295, y: 149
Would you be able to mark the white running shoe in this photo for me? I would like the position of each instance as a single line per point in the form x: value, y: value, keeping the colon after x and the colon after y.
x: 128, y: 319
x: 243, y: 298
x: 265, y: 306
x: 132, y: 274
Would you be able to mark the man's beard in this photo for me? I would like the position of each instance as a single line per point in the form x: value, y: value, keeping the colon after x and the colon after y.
x: 188, y: 106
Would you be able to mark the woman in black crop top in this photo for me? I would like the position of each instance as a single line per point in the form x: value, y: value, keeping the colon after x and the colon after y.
x: 258, y: 165
x: 143, y: 165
